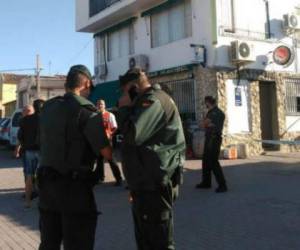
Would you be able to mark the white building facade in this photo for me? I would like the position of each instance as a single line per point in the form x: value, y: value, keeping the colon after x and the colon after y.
x: 243, y: 52
x: 50, y: 86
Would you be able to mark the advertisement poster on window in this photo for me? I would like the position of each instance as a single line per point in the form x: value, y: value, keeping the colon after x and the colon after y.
x: 238, y: 96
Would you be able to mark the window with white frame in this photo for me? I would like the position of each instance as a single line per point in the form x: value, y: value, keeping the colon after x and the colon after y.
x: 292, y: 96
x: 172, y: 24
x: 120, y: 43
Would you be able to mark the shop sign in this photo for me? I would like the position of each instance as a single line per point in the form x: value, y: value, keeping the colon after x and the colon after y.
x: 238, y: 96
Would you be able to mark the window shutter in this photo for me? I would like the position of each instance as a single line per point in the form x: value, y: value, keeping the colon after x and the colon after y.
x: 172, y: 24
x: 226, y: 14
x: 113, y: 41
x: 124, y: 42
x: 160, y: 29
x: 188, y: 18
x: 176, y: 23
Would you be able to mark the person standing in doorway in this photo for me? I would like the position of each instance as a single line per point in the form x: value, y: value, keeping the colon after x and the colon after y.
x: 213, y: 125
x: 110, y: 126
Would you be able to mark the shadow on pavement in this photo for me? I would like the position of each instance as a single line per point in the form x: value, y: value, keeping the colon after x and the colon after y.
x: 260, y: 211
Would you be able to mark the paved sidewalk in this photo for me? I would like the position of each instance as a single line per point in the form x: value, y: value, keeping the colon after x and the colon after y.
x: 260, y: 212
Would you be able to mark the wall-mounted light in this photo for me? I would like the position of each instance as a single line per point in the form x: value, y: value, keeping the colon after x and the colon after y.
x: 200, y: 54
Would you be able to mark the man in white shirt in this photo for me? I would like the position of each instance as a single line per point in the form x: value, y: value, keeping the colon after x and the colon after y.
x: 110, y: 126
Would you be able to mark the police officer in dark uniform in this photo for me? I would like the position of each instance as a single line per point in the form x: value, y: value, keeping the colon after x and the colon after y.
x: 213, y: 124
x: 71, y: 138
x: 152, y: 157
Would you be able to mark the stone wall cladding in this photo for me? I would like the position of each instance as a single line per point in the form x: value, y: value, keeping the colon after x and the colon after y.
x: 248, y: 139
x: 206, y: 84
x: 213, y: 82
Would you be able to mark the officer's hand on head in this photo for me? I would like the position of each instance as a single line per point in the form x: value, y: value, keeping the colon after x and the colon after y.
x: 106, y: 153
x: 125, y: 100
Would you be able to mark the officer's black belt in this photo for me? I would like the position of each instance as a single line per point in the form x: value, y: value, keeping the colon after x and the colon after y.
x: 51, y: 173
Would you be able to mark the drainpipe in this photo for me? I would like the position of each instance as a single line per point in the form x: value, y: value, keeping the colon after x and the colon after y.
x: 295, y: 44
x: 267, y: 7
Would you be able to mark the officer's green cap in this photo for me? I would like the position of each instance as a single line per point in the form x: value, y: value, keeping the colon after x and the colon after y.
x: 131, y: 75
x: 81, y: 69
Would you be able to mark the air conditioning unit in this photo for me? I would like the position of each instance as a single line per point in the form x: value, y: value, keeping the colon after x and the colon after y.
x: 141, y: 61
x: 101, y: 71
x: 242, y: 52
x: 291, y: 22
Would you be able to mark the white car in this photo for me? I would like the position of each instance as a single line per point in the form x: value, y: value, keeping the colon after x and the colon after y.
x: 14, y: 127
x: 4, y: 130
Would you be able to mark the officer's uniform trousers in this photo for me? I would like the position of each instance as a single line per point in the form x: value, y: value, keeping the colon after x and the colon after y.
x: 153, y: 219
x: 114, y: 168
x: 210, y: 161
x: 67, y: 211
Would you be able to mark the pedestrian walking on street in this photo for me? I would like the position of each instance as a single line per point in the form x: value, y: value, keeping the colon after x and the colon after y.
x: 110, y: 126
x: 152, y: 156
x: 72, y: 136
x: 27, y: 110
x: 28, y: 139
x: 213, y: 125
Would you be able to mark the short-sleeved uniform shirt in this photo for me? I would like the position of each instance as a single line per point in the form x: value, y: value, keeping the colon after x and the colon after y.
x: 83, y: 128
x: 217, y: 117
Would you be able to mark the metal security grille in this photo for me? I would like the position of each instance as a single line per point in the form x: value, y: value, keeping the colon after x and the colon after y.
x: 292, y: 96
x: 183, y: 94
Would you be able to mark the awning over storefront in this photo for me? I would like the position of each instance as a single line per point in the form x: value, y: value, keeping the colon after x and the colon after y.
x: 108, y: 91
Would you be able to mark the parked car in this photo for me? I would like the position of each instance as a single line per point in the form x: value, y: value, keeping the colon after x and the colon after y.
x: 2, y: 119
x: 4, y: 130
x: 14, y: 127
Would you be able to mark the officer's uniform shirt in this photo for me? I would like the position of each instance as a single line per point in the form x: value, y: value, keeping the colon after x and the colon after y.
x: 95, y: 134
x: 52, y: 130
x: 66, y: 194
x: 217, y: 117
x: 153, y: 139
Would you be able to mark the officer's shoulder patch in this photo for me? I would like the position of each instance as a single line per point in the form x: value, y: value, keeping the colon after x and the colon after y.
x: 147, y: 103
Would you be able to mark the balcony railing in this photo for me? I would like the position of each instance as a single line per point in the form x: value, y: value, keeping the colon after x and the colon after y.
x: 97, y: 6
x: 245, y: 34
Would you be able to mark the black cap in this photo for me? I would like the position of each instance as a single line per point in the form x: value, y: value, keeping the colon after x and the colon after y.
x: 131, y: 75
x: 81, y: 69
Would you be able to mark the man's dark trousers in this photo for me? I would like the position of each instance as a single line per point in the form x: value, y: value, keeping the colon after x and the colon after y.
x: 210, y: 161
x: 68, y: 214
x: 114, y: 168
x: 153, y: 219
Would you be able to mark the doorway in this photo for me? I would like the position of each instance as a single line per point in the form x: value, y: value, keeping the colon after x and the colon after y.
x: 268, y: 114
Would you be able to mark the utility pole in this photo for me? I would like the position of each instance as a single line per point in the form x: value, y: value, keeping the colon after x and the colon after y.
x: 38, y: 69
